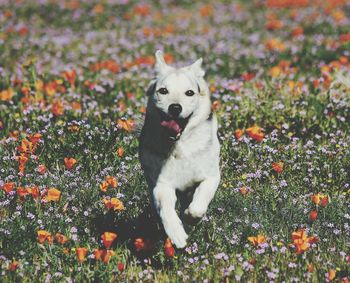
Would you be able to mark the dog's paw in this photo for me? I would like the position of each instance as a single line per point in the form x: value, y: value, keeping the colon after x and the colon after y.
x: 177, y: 235
x: 195, y: 211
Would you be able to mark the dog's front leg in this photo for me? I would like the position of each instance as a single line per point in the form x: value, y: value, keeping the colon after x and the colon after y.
x: 202, y: 197
x: 164, y: 200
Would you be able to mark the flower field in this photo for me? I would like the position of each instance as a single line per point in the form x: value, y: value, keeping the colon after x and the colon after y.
x: 74, y: 205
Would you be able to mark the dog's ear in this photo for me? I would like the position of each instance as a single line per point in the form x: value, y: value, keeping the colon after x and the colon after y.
x: 161, y: 66
x: 151, y: 87
x: 196, y: 68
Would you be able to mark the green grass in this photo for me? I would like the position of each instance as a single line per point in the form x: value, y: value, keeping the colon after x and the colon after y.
x: 306, y: 126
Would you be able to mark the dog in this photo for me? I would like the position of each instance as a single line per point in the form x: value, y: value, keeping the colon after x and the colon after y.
x: 178, y: 145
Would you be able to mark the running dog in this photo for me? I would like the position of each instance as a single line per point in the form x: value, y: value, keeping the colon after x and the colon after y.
x: 179, y: 148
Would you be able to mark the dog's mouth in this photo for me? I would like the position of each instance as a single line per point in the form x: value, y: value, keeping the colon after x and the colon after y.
x: 173, y: 126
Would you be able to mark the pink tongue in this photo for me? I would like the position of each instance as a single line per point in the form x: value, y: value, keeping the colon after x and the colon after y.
x: 172, y: 125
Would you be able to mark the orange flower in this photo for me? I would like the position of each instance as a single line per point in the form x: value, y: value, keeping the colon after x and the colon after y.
x: 114, y: 204
x: 331, y: 274
x: 108, y: 238
x: 275, y: 45
x: 301, y: 241
x: 104, y: 186
x: 34, y: 192
x: 324, y: 201
x: 41, y: 169
x: 26, y: 147
x: 215, y: 106
x: 278, y: 167
x: 69, y: 162
x: 297, y: 31
x: 168, y: 248
x: 238, y: 133
x: 61, y: 239
x: 6, y: 95
x: 320, y: 198
x: 57, y: 108
x: 70, y: 76
x: 21, y: 192
x: 260, y: 239
x: 44, y: 236
x: 112, y: 181
x: 34, y: 139
x: 313, y: 215
x: 255, y: 133
x: 274, y: 24
x: 81, y: 254
x: 1, y: 125
x: 53, y: 194
x: 13, y: 265
x: 120, y: 151
x: 97, y: 253
x: 310, y: 268
x: 243, y: 190
x: 127, y: 125
x: 8, y: 187
x: 106, y: 255
x: 142, y: 245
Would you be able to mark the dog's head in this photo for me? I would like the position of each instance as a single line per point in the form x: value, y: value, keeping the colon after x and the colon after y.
x: 179, y: 95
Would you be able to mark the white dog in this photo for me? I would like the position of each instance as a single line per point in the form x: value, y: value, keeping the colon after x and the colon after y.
x: 179, y: 148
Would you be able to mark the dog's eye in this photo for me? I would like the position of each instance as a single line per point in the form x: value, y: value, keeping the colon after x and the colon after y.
x: 189, y: 92
x: 163, y: 90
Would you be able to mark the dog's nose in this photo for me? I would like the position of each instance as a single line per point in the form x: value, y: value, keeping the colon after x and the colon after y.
x: 175, y: 110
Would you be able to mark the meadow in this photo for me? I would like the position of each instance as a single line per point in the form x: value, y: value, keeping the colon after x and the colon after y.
x: 74, y: 205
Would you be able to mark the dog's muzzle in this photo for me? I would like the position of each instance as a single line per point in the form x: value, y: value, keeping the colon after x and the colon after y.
x: 173, y: 126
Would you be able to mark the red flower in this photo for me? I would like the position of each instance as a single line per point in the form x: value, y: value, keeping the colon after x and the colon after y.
x: 278, y: 167
x: 121, y: 266
x: 313, y: 215
x: 168, y: 248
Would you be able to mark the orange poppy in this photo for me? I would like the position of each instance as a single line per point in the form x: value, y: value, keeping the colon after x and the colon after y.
x: 243, y: 190
x: 106, y: 255
x: 104, y: 186
x: 69, y: 162
x: 81, y: 254
x: 320, y: 199
x: 61, y: 239
x: 108, y: 238
x: 112, y: 181
x: 34, y: 192
x: 255, y: 133
x: 114, y: 204
x: 57, y: 108
x: 120, y: 151
x: 6, y: 95
x: 260, y: 239
x: 53, y: 194
x: 21, y: 192
x: 168, y: 248
x: 44, y: 236
x: 142, y: 245
x: 127, y: 125
x: 41, y: 169
x: 70, y: 76
x: 301, y: 241
x: 331, y: 274
x: 8, y: 187
x: 277, y: 167
x: 313, y: 215
x: 238, y: 133
x: 13, y: 265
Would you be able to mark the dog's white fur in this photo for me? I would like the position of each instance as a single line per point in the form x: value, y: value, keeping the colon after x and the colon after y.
x: 193, y: 159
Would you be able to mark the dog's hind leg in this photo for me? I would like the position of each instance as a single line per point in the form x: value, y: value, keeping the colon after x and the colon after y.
x: 165, y: 200
x: 202, y: 197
